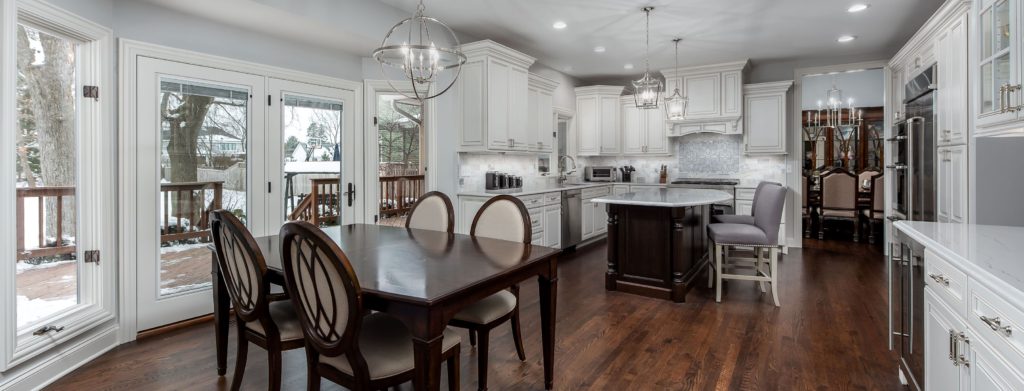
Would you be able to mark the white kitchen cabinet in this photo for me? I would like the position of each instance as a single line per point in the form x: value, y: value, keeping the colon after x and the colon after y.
x: 493, y: 99
x: 989, y: 371
x: 952, y: 102
x: 620, y: 189
x: 998, y: 93
x: 595, y: 216
x: 597, y: 115
x: 714, y: 96
x: 941, y: 328
x: 952, y: 184
x: 643, y: 130
x: 744, y: 207
x: 600, y: 219
x: 541, y: 114
x: 587, y: 210
x: 765, y: 117
x: 553, y: 226
x: 468, y: 206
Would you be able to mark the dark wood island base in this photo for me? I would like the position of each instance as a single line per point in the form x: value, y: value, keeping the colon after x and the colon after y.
x: 656, y: 251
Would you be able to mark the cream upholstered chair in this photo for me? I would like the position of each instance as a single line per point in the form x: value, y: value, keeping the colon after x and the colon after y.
x: 433, y: 211
x: 357, y: 351
x: 876, y: 213
x: 501, y: 217
x: 268, y: 323
x: 762, y: 235
x: 839, y: 200
x: 865, y: 176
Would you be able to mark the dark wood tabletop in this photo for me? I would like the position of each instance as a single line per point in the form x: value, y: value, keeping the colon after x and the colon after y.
x: 424, y: 278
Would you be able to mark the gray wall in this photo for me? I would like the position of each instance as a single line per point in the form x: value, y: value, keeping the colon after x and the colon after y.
x: 867, y: 88
x: 999, y: 173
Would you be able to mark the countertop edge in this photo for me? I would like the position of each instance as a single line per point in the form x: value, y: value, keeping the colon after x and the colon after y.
x: 1014, y: 295
x: 484, y: 193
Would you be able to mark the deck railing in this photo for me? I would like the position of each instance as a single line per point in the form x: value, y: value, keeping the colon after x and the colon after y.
x: 321, y: 205
x: 44, y: 249
x: 399, y: 193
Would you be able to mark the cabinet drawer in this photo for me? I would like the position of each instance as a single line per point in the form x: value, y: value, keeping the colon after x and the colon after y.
x: 552, y: 198
x: 948, y: 282
x: 744, y: 193
x: 1004, y: 329
x: 532, y: 200
x: 536, y: 219
x: 595, y: 192
x: 538, y: 238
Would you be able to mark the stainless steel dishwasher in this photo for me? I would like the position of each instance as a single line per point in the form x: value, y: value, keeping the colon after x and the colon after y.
x: 572, y: 217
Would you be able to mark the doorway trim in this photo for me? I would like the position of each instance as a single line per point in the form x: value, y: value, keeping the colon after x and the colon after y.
x: 794, y: 160
x: 128, y: 52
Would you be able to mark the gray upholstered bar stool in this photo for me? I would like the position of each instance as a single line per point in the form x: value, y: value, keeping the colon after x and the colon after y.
x: 762, y: 235
x: 741, y: 219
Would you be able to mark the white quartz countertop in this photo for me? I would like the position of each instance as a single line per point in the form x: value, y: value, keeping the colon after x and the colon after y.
x: 528, y: 190
x: 989, y: 253
x: 668, y: 198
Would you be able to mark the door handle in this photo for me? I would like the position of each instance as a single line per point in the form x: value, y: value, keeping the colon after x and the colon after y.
x: 351, y: 193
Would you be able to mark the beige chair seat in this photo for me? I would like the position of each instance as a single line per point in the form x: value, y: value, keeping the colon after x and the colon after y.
x: 489, y: 309
x: 386, y: 345
x: 284, y: 317
x: 839, y: 213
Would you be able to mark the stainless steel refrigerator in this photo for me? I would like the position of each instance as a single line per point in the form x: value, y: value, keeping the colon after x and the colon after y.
x: 913, y: 143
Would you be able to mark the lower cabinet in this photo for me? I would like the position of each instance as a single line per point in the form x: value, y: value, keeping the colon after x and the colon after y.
x: 553, y: 226
x: 595, y: 216
x: 545, y: 213
x: 941, y: 328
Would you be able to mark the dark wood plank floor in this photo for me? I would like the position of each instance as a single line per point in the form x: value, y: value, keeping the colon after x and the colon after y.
x: 828, y: 334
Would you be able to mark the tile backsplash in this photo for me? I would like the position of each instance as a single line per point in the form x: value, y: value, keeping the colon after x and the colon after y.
x: 473, y: 166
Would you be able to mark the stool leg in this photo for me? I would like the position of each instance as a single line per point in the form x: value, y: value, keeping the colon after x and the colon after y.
x: 760, y: 265
x: 775, y: 275
x: 719, y: 249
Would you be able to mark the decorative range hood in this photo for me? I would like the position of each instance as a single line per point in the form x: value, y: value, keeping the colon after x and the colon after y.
x: 714, y: 96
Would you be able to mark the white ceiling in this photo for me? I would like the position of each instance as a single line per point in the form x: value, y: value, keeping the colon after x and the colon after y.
x: 712, y: 30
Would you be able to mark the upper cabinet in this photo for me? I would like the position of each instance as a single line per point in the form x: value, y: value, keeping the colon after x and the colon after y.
x: 540, y: 117
x: 643, y: 130
x: 714, y: 97
x: 492, y: 99
x: 999, y: 100
x: 765, y: 117
x: 597, y: 118
x: 953, y: 104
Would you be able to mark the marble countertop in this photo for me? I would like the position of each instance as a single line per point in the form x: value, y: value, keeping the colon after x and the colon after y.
x: 988, y: 253
x: 669, y: 198
x: 529, y: 190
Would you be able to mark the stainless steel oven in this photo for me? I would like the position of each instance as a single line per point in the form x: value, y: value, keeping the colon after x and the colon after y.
x: 913, y: 151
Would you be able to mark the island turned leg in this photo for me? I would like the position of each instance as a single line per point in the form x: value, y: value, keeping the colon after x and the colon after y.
x: 687, y: 251
x: 613, y: 248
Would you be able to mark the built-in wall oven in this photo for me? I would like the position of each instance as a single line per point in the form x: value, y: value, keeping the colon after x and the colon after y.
x: 906, y: 307
x: 913, y: 151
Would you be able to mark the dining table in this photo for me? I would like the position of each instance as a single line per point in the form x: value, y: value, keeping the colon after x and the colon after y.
x: 423, y: 278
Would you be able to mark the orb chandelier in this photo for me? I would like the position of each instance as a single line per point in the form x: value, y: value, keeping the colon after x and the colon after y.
x: 647, y: 89
x: 425, y: 52
x: 675, y: 105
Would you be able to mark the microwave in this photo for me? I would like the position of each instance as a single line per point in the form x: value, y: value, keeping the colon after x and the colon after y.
x: 599, y: 174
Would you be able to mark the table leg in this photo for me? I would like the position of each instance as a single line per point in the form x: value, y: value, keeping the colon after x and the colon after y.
x: 221, y: 308
x: 548, y: 284
x: 427, y: 352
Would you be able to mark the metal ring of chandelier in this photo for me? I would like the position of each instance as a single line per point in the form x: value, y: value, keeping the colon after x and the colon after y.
x: 423, y: 62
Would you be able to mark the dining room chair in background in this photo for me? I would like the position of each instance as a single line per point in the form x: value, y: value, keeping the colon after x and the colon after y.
x: 433, y: 211
x: 266, y: 320
x: 345, y: 345
x: 502, y: 217
x: 875, y: 214
x: 839, y: 200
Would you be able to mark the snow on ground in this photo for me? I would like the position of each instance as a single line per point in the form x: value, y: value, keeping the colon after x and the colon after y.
x: 23, y: 266
x: 32, y: 310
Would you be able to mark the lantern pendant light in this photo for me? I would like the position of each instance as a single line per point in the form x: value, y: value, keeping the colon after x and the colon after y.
x: 647, y: 89
x: 675, y: 105
x: 424, y: 52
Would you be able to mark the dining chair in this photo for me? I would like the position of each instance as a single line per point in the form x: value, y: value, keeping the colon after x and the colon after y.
x: 345, y: 345
x: 432, y: 211
x: 876, y: 212
x: 502, y: 217
x: 839, y: 200
x: 267, y: 320
x: 763, y: 236
x: 806, y: 209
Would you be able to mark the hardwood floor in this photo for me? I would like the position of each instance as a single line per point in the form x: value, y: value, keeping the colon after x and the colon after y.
x: 830, y: 333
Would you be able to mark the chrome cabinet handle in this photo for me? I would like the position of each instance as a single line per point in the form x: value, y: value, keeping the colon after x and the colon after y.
x: 939, y: 278
x: 952, y: 346
x: 899, y: 167
x: 1002, y: 98
x: 959, y: 357
x: 996, y: 325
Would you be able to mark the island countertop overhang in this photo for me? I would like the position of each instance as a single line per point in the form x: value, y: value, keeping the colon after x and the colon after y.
x: 666, y: 198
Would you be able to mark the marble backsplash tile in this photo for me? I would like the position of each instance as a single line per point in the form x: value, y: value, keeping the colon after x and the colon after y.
x: 474, y: 166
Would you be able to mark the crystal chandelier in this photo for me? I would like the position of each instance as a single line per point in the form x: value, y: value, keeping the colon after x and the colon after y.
x: 675, y: 105
x: 647, y: 89
x: 835, y: 114
x: 423, y: 51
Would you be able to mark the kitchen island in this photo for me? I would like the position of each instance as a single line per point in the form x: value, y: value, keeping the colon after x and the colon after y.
x: 657, y: 240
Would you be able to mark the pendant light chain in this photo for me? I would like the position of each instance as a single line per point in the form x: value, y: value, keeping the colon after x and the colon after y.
x: 647, y: 48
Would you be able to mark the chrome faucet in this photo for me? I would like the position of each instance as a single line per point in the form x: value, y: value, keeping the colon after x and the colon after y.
x: 563, y: 171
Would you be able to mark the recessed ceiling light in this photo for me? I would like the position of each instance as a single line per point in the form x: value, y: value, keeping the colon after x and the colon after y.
x: 559, y: 25
x: 857, y: 7
x: 845, y: 38
x: 598, y: 49
x: 628, y: 66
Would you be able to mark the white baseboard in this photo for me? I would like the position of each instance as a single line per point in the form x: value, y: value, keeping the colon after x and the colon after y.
x: 47, y: 368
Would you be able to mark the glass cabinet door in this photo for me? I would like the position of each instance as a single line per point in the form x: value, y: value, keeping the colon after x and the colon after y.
x: 998, y: 61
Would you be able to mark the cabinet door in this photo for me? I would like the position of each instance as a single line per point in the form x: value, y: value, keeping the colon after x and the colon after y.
x: 732, y: 94
x: 588, y: 219
x: 744, y: 207
x: 600, y: 218
x: 765, y: 124
x: 468, y: 206
x: 587, y: 130
x: 498, y: 94
x: 957, y: 184
x: 533, y: 117
x: 944, y: 185
x: 704, y: 94
x: 998, y: 40
x: 989, y: 371
x: 471, y: 97
x: 656, y: 140
x: 520, y: 131
x: 940, y: 325
x: 632, y: 129
x: 609, y: 125
x: 951, y: 52
x: 553, y: 226
x: 545, y: 122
